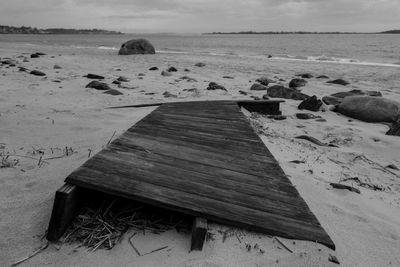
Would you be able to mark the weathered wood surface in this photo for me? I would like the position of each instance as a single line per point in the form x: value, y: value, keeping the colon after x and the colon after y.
x: 204, y: 159
x: 64, y: 209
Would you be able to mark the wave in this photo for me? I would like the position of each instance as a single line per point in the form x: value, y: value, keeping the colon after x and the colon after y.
x: 336, y: 60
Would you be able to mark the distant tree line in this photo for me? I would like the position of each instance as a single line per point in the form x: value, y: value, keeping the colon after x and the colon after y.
x: 31, y: 30
x: 297, y: 32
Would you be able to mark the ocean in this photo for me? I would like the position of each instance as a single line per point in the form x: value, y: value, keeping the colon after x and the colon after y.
x: 362, y: 49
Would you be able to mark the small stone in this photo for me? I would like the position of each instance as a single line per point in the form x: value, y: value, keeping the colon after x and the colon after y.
x: 227, y: 77
x: 258, y: 87
x: 166, y: 73
x: 141, y: 74
x: 339, y: 81
x: 153, y: 68
x: 37, y: 73
x: 311, y: 103
x: 98, y: 85
x: 322, y: 77
x: 215, y: 86
x: 305, y: 116
x: 333, y: 259
x: 168, y: 94
x: 116, y: 82
x: 277, y: 117
x: 200, y: 64
x: 187, y: 70
x: 264, y: 81
x: 113, y: 92
x: 279, y: 91
x: 305, y: 75
x: 189, y: 79
x: 22, y: 69
x: 243, y: 92
x: 294, y: 83
x: 94, y: 76
x: 172, y: 69
x: 35, y: 55
x: 122, y: 79
x: 265, y: 97
x: 57, y: 67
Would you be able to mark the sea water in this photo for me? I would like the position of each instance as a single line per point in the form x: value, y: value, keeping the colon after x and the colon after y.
x: 363, y: 49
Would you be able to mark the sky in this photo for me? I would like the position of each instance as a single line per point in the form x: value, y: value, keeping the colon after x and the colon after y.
x: 197, y: 16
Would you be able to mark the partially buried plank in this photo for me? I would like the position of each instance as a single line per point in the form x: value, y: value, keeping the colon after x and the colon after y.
x: 199, y: 231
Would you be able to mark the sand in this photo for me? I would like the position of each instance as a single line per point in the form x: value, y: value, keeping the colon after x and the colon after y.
x: 43, y: 118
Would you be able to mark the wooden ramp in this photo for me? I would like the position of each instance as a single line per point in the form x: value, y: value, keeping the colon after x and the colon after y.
x: 203, y: 159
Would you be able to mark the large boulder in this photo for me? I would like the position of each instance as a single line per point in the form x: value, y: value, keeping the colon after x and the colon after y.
x: 337, y: 98
x: 370, y: 109
x: 280, y: 91
x: 136, y: 46
x: 294, y: 83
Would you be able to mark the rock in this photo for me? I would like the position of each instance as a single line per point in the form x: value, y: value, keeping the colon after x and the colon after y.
x: 228, y: 77
x: 94, y: 76
x: 215, y: 86
x: 122, y: 79
x: 189, y: 79
x: 258, y: 87
x: 306, y: 116
x: 265, y: 97
x: 35, y: 55
x: 22, y: 69
x: 37, y: 73
x: 357, y: 92
x: 279, y: 91
x: 25, y: 60
x: 166, y: 73
x: 311, y: 103
x: 200, y: 64
x: 343, y: 186
x: 187, y: 70
x: 277, y: 117
x: 136, y: 46
x: 370, y: 108
x: 395, y: 129
x: 8, y: 62
x: 322, y: 77
x: 243, y: 92
x: 339, y: 81
x: 331, y: 100
x: 393, y: 167
x: 264, y: 81
x: 57, y: 67
x: 141, y: 74
x: 172, y: 69
x: 294, y: 83
x: 113, y: 92
x: 305, y: 75
x: 333, y: 259
x: 153, y: 68
x: 40, y: 54
x: 116, y: 82
x: 168, y: 94
x: 98, y: 85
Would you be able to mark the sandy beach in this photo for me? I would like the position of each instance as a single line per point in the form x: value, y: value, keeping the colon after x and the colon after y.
x: 40, y: 117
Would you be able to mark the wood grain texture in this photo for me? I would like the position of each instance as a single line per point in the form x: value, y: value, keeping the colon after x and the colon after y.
x: 204, y: 159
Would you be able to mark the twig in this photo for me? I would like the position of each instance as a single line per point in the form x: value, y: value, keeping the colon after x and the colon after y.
x: 109, y: 141
x: 283, y: 245
x: 158, y: 249
x: 132, y: 245
x: 32, y: 255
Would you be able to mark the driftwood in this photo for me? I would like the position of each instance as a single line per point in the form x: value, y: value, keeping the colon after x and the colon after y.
x: 314, y: 140
x: 343, y: 186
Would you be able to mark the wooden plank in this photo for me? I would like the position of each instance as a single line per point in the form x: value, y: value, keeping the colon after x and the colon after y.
x: 64, y: 209
x: 219, y: 211
x: 279, y: 204
x: 199, y: 231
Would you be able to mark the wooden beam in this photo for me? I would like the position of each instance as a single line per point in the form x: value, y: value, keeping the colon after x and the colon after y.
x: 199, y: 231
x: 64, y: 210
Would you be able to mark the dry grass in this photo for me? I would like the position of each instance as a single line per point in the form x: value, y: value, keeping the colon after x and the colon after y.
x: 102, y: 227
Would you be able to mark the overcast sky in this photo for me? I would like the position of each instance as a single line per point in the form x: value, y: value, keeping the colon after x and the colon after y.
x: 204, y: 15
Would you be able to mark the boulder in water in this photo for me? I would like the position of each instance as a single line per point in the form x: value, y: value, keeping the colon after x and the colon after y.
x: 279, y: 91
x: 370, y: 109
x: 136, y: 46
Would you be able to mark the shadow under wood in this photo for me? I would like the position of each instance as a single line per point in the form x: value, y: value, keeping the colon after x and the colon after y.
x: 103, y: 220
